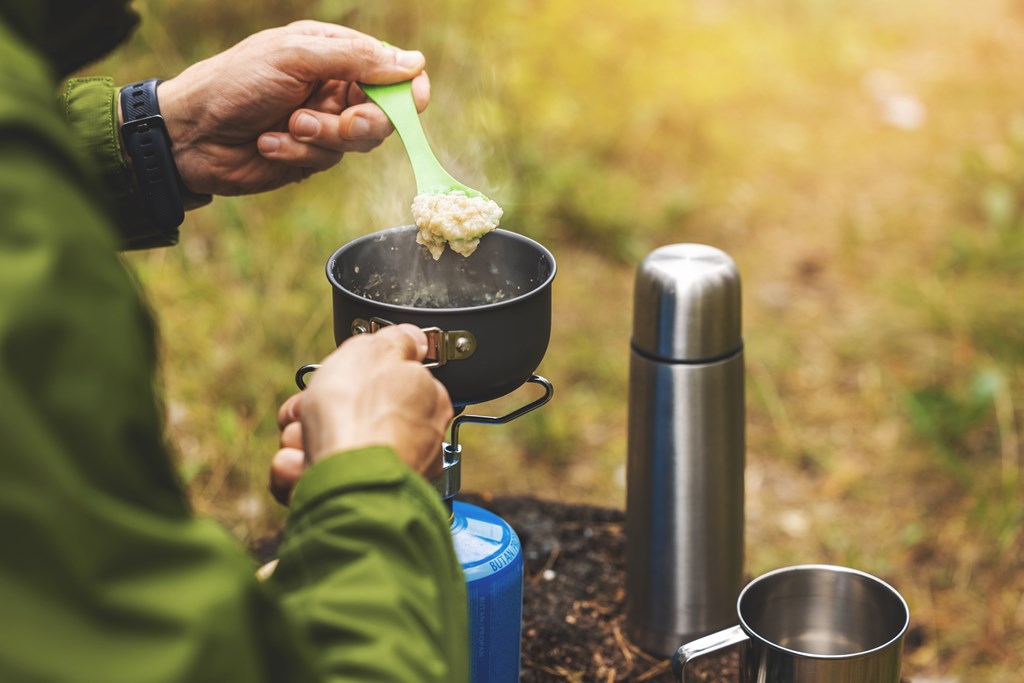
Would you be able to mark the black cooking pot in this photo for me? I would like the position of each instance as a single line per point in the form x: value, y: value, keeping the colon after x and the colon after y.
x: 487, y: 317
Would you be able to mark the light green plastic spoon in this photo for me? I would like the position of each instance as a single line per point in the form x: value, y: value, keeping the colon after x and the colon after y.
x: 397, y: 102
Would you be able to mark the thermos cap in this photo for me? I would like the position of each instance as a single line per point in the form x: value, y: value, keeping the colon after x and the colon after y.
x: 687, y: 304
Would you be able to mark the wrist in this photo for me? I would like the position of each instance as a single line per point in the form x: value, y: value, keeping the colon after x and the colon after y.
x: 181, y: 123
x: 327, y: 433
x: 177, y: 112
x: 120, y: 122
x: 330, y: 442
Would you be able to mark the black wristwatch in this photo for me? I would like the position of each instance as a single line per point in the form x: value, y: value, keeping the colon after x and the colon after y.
x: 144, y: 134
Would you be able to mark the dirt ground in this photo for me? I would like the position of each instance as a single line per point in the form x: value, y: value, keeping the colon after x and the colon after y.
x: 574, y: 621
x: 573, y: 624
x: 574, y: 597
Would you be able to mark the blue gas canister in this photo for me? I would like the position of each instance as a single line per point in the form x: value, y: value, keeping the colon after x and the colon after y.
x: 492, y: 560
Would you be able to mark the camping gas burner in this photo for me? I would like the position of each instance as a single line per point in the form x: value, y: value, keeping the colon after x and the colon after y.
x: 487, y: 318
x: 450, y: 481
x: 491, y: 557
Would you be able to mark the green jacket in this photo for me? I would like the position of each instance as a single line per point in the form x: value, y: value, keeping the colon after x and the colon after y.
x: 107, y: 575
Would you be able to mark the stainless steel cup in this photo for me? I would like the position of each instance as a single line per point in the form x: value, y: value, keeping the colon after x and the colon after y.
x: 684, y: 498
x: 812, y: 624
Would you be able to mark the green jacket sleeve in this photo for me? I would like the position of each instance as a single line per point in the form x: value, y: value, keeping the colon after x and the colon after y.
x: 108, y: 575
x: 409, y: 583
x: 89, y: 107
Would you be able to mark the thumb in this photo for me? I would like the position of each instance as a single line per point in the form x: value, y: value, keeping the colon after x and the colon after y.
x: 355, y: 58
x: 286, y: 469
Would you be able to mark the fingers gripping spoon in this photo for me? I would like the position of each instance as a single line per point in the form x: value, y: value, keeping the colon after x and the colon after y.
x: 397, y: 102
x: 445, y: 210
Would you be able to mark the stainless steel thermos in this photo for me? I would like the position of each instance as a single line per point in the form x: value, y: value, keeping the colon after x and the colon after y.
x: 684, y: 504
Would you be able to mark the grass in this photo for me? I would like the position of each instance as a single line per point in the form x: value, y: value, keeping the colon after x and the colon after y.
x: 883, y: 265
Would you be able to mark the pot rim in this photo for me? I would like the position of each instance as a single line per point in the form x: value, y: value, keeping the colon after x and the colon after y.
x: 336, y: 284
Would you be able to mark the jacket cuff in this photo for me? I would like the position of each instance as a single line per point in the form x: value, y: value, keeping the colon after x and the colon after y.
x: 363, y: 468
x: 90, y: 107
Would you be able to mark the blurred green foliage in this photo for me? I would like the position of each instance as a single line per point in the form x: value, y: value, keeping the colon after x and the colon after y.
x: 949, y: 415
x: 862, y: 161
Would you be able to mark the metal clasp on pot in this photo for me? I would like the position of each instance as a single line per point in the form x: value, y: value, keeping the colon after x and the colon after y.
x: 441, y: 346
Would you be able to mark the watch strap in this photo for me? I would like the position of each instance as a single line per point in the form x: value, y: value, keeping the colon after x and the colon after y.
x: 148, y: 145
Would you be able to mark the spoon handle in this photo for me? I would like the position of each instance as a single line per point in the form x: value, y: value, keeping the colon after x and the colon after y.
x: 397, y: 102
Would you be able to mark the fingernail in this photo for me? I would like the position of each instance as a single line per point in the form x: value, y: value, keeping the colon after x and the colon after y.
x: 359, y: 128
x: 306, y: 126
x: 268, y: 144
x: 409, y: 59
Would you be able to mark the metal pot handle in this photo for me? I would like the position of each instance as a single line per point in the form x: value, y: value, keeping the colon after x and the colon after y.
x: 734, y: 635
x: 300, y: 374
x: 442, y: 346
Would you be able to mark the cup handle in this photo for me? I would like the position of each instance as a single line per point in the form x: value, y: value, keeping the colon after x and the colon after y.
x: 705, y: 646
x: 300, y: 375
